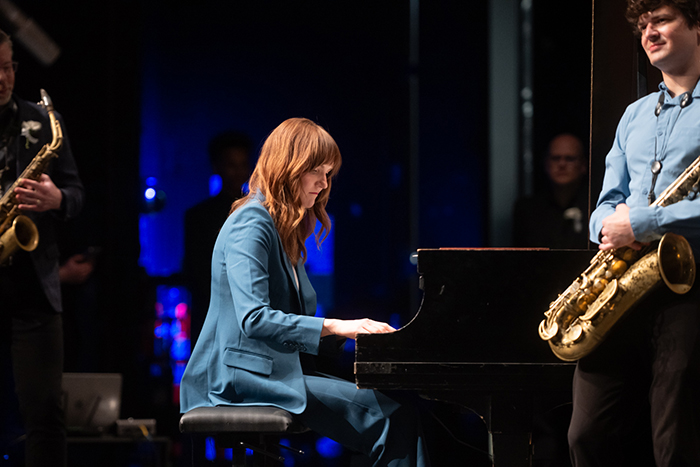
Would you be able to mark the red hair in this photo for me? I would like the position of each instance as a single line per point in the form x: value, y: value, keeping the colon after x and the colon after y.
x: 294, y: 148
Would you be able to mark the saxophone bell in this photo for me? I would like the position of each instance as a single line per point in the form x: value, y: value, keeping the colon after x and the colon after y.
x: 676, y: 263
x: 575, y: 331
x: 23, y: 234
x: 580, y: 319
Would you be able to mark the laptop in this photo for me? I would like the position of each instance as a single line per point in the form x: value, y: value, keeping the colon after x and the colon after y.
x: 92, y: 402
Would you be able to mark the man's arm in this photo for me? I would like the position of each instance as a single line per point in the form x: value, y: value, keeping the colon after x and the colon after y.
x: 617, y: 230
x: 614, y: 193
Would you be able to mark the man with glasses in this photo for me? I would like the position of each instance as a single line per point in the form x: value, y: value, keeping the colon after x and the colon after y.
x: 31, y: 335
x: 555, y: 217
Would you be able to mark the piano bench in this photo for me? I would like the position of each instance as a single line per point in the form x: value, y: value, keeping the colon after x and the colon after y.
x: 241, y: 428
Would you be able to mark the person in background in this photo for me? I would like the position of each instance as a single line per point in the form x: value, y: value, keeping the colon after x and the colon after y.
x: 556, y: 217
x: 31, y: 334
x: 83, y: 320
x: 261, y: 313
x: 229, y: 155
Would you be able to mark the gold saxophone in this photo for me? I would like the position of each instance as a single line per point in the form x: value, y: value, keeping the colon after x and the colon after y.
x: 17, y: 230
x: 581, y: 317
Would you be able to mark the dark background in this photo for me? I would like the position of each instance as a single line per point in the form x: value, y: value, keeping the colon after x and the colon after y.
x: 143, y: 85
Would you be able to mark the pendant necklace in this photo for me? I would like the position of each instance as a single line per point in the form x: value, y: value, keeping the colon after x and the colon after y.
x: 656, y: 166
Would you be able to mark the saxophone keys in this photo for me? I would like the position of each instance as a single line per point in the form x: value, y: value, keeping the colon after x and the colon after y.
x: 599, y: 285
x: 581, y: 303
x: 584, y: 300
x: 573, y: 334
x: 605, y: 297
x: 618, y: 268
x: 547, y: 332
x: 630, y: 255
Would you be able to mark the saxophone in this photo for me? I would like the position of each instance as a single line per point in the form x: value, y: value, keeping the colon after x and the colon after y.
x: 16, y: 230
x: 581, y: 317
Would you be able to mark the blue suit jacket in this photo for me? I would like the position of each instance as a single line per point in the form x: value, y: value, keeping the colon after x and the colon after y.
x: 258, y: 321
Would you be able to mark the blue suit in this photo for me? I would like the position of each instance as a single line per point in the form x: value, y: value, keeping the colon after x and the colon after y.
x: 258, y: 321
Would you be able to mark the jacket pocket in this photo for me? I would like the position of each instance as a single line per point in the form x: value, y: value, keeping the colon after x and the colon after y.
x: 252, y: 362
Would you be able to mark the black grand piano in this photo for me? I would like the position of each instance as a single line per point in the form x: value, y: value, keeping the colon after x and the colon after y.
x: 474, y: 340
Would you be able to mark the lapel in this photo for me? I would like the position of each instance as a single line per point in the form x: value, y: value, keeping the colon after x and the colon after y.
x: 26, y: 154
x: 287, y: 264
x: 289, y: 269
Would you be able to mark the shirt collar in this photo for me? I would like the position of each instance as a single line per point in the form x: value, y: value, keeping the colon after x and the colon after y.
x: 676, y: 100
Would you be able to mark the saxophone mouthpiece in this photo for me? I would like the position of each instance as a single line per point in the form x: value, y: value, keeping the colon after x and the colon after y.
x: 46, y: 101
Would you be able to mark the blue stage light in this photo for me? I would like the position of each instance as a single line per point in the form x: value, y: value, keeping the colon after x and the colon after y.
x: 174, y: 293
x: 210, y: 449
x: 180, y: 349
x: 349, y: 346
x: 178, y: 370
x: 154, y: 200
x: 321, y: 262
x: 215, y: 184
x: 328, y: 448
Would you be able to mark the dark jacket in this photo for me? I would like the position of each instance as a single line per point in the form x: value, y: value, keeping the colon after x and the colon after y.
x: 64, y: 174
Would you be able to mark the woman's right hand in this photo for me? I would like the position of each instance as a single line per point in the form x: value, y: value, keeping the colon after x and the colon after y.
x: 351, y: 328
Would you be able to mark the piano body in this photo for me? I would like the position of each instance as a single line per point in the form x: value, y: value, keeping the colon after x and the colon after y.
x: 474, y: 340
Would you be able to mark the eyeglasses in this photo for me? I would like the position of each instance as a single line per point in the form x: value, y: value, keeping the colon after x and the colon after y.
x: 9, y: 67
x: 556, y: 158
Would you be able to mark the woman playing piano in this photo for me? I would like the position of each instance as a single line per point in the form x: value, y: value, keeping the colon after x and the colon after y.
x: 261, y: 313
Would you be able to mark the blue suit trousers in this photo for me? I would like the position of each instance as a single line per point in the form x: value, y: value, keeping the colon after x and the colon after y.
x: 365, y: 421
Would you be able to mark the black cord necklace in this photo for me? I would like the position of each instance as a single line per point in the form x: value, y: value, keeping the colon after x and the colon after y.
x: 656, y: 166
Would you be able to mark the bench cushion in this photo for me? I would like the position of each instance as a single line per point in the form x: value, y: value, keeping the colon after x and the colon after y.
x: 239, y: 419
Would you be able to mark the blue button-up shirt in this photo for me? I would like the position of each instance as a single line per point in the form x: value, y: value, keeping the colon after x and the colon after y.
x: 673, y: 138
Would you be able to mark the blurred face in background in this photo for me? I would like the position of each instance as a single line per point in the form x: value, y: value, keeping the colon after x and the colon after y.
x: 565, y: 163
x: 234, y: 168
x: 7, y: 73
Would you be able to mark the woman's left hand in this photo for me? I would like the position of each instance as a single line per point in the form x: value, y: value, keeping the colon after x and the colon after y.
x: 351, y: 328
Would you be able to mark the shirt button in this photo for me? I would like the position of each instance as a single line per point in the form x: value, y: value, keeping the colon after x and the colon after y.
x: 645, y: 191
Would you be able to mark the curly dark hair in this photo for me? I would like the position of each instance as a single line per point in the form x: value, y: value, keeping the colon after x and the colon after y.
x: 690, y: 9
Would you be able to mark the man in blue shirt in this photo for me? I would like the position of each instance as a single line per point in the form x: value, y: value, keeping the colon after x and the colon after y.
x: 648, y: 369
